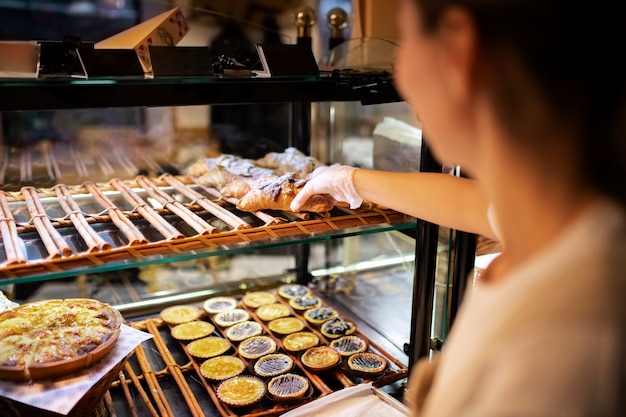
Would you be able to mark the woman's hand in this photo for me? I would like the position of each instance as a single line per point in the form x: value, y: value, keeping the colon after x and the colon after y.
x: 335, y: 180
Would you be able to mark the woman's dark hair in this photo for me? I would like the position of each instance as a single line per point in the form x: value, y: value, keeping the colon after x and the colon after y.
x: 571, y: 55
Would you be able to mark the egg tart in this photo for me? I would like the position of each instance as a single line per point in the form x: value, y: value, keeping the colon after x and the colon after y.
x: 367, y: 364
x: 272, y: 311
x: 207, y: 347
x: 290, y: 291
x: 300, y: 341
x: 192, y: 330
x: 273, y: 364
x: 305, y: 302
x: 245, y: 329
x: 256, y: 299
x: 256, y: 346
x: 230, y: 317
x: 337, y: 327
x: 241, y: 391
x: 218, y: 304
x: 288, y: 387
x: 180, y: 314
x: 349, y: 345
x: 222, y: 367
x: 286, y: 325
x: 320, y: 358
x: 317, y: 316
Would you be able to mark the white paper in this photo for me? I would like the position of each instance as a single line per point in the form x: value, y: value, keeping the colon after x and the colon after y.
x: 358, y: 401
x: 62, y: 395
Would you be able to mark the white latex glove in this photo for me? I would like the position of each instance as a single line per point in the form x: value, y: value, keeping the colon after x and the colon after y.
x: 335, y: 180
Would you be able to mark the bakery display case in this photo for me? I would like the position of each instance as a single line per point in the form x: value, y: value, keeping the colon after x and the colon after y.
x: 96, y: 203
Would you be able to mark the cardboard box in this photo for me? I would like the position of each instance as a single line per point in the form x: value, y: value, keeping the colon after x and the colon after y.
x: 18, y: 59
x: 166, y: 29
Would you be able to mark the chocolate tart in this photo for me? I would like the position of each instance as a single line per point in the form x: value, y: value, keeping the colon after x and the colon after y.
x: 192, y: 330
x: 305, y: 302
x: 245, y: 329
x: 337, y: 327
x: 286, y: 325
x: 317, y: 316
x: 320, y: 358
x: 218, y: 304
x: 241, y: 391
x: 230, y: 317
x: 367, y: 365
x: 256, y: 346
x: 180, y: 314
x: 290, y: 291
x: 288, y: 387
x: 207, y: 347
x: 256, y: 299
x: 272, y: 311
x: 300, y: 341
x: 221, y: 368
x: 273, y: 364
x: 349, y: 345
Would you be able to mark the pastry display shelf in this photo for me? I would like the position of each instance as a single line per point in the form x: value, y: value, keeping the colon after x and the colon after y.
x: 68, y: 230
x: 42, y: 94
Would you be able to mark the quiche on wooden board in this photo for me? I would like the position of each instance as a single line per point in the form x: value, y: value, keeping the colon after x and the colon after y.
x: 53, y: 338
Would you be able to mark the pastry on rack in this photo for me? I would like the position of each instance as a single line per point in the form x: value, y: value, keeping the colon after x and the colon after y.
x: 288, y: 387
x: 241, y: 391
x: 337, y: 327
x: 300, y: 341
x: 367, y: 364
x: 180, y: 314
x: 305, y: 302
x: 256, y: 299
x: 290, y: 160
x: 317, y: 316
x: 230, y: 317
x: 272, y: 365
x: 192, y: 330
x: 285, y: 325
x: 222, y: 367
x: 207, y: 347
x: 243, y: 330
x: 216, y: 305
x: 320, y: 358
x: 349, y: 345
x: 256, y: 346
x: 290, y: 291
x: 272, y: 311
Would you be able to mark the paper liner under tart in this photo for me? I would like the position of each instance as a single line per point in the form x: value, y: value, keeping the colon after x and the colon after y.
x: 256, y: 346
x: 273, y: 364
x: 288, y: 388
x: 349, y: 345
x: 337, y: 327
x: 41, y: 365
x: 300, y: 341
x: 192, y: 330
x: 241, y: 391
x: 230, y: 317
x: 180, y: 314
x: 285, y: 326
x: 216, y: 305
x: 306, y: 302
x: 272, y: 311
x: 320, y: 358
x: 207, y: 347
x: 366, y: 365
x: 240, y: 331
x: 317, y: 316
x: 256, y: 299
x: 289, y: 291
x: 222, y: 367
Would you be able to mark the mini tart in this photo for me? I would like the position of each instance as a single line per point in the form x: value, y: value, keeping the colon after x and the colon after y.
x: 305, y: 302
x: 256, y: 299
x: 300, y: 341
x: 290, y: 291
x: 337, y: 327
x: 288, y: 387
x: 272, y: 311
x: 286, y: 325
x: 218, y: 304
x: 245, y: 329
x: 320, y: 358
x: 256, y: 346
x: 349, y: 345
x: 230, y: 317
x: 180, y: 314
x: 207, y: 347
x: 220, y: 368
x: 241, y: 391
x: 192, y: 330
x: 273, y: 364
x: 317, y: 316
x: 367, y: 364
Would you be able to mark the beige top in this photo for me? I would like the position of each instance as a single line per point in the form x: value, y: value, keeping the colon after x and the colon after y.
x: 549, y: 340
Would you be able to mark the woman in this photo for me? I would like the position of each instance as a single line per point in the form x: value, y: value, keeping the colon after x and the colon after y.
x: 529, y: 97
